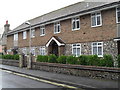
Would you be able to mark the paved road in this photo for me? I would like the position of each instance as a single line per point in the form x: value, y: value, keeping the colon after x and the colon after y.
x: 13, y: 81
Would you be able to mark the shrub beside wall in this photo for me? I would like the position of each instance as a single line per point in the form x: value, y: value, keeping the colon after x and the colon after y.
x: 92, y: 60
x: 62, y: 59
x: 13, y: 57
x: 72, y: 60
x: 52, y: 59
x: 42, y: 58
x: 118, y: 60
x: 107, y: 61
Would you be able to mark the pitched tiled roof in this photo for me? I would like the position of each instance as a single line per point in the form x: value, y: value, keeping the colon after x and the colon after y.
x: 66, y: 11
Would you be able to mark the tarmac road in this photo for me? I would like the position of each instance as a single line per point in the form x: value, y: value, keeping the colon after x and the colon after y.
x: 13, y: 81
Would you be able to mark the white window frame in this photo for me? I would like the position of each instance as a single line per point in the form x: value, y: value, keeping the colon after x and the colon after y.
x: 96, y: 19
x: 56, y: 25
x: 117, y: 14
x: 76, y: 19
x: 33, y: 33
x: 41, y: 31
x: 42, y: 50
x: 97, y: 48
x: 16, y: 37
x: 76, y: 47
x: 25, y: 35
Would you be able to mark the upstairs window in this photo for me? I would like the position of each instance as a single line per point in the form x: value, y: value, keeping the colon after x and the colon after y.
x: 96, y: 19
x: 42, y: 31
x: 16, y: 37
x: 76, y: 50
x: 97, y: 49
x: 24, y: 34
x: 75, y: 24
x: 57, y: 27
x: 118, y: 15
x: 32, y: 33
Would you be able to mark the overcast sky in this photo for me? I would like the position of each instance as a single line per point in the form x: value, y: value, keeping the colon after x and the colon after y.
x: 18, y: 11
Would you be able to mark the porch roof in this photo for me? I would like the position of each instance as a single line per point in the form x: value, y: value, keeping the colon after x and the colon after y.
x: 57, y: 40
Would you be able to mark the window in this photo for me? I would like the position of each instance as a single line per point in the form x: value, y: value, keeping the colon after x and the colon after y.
x: 76, y: 50
x: 118, y: 15
x: 16, y: 37
x: 32, y: 33
x: 75, y: 24
x: 96, y: 19
x: 57, y: 27
x: 24, y: 34
x: 42, y: 31
x: 97, y: 49
x: 42, y: 50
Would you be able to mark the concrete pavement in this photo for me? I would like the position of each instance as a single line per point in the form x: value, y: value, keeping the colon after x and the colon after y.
x: 82, y: 82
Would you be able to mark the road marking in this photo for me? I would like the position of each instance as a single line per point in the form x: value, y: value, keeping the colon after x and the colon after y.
x: 41, y: 80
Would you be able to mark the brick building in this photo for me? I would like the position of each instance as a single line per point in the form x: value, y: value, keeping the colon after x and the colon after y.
x: 84, y: 28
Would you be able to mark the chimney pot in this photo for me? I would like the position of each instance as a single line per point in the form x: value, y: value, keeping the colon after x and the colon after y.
x: 7, y: 22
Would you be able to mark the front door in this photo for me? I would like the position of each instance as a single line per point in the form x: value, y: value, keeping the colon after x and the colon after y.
x: 55, y: 48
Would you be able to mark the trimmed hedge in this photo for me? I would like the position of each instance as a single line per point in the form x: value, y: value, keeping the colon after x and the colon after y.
x: 118, y: 59
x: 42, y: 58
x: 72, y: 60
x: 52, y: 58
x: 62, y: 59
x: 92, y: 60
x: 83, y: 60
x: 13, y: 57
x: 107, y: 61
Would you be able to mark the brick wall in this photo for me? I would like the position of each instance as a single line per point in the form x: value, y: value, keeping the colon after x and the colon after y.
x: 86, y: 33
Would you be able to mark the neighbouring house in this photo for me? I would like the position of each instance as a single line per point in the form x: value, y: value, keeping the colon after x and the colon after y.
x: 4, y: 38
x: 84, y: 28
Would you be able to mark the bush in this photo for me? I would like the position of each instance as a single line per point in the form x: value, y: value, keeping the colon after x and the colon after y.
x: 93, y: 60
x: 0, y: 56
x: 83, y: 60
x: 118, y: 60
x: 13, y: 57
x: 62, y: 59
x: 107, y: 61
x: 41, y: 58
x: 72, y: 60
x: 52, y: 58
x: 16, y: 57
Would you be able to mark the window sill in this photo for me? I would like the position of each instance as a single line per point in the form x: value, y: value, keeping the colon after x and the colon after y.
x: 118, y: 22
x: 76, y: 29
x: 42, y: 35
x: 100, y: 55
x: 56, y: 32
x: 96, y: 26
x: 33, y: 37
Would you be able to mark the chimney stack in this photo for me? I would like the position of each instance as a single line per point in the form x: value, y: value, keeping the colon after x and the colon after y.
x: 6, y: 27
